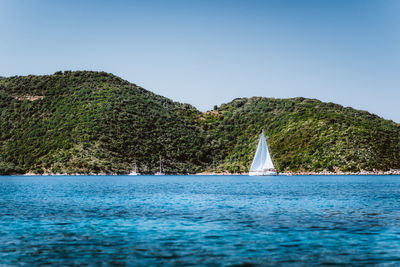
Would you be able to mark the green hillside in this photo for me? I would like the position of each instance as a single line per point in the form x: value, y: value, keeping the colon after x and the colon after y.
x: 94, y: 122
x: 303, y: 135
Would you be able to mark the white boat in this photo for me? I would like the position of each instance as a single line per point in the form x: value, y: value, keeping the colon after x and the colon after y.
x: 160, y: 172
x: 262, y: 163
x: 135, y: 172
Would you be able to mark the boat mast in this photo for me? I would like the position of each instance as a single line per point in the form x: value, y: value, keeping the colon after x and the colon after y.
x: 160, y: 165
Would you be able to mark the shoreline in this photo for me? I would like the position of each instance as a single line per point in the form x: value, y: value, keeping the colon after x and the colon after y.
x: 391, y: 172
x: 324, y: 173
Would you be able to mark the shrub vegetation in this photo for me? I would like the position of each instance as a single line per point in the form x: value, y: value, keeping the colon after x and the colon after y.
x: 95, y: 122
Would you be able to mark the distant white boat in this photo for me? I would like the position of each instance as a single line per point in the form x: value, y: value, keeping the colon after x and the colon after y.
x: 262, y: 163
x: 160, y: 172
x: 135, y: 172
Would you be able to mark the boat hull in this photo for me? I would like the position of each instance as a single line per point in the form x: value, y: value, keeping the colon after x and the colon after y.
x: 263, y: 173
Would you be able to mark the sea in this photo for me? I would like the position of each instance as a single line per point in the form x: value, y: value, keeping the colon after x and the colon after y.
x: 199, y: 220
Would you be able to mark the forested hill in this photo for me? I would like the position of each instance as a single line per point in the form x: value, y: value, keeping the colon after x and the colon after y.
x: 95, y: 122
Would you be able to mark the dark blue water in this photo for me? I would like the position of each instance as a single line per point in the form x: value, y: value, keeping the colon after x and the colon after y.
x: 200, y: 220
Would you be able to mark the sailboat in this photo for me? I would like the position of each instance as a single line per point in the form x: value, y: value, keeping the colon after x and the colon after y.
x: 160, y: 172
x: 262, y: 163
x: 135, y: 172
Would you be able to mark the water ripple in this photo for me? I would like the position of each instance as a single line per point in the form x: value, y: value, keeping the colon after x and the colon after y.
x: 192, y: 220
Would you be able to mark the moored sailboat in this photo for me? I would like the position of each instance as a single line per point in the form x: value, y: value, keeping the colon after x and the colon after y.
x: 160, y: 172
x: 135, y: 172
x: 262, y: 164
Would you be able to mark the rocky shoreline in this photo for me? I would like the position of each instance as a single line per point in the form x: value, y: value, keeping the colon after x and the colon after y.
x: 390, y: 172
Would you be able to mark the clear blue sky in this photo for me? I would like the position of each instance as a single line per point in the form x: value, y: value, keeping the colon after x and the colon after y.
x: 210, y: 52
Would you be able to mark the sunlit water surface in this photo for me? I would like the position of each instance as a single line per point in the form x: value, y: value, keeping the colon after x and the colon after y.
x: 200, y: 220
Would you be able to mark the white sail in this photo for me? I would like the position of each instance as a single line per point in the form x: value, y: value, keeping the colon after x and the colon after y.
x: 262, y: 162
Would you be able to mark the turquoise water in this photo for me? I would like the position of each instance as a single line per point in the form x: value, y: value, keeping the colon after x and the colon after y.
x: 200, y: 220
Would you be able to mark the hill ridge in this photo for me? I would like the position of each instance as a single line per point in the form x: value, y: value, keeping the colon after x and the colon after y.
x: 96, y: 122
